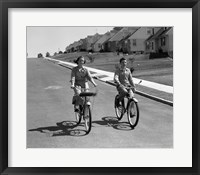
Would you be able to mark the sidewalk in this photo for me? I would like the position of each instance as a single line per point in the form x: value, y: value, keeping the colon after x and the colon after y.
x: 107, y: 77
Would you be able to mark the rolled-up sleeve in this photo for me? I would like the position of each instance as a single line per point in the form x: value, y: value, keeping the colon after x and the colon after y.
x: 116, y: 77
x: 72, y: 76
x: 131, y: 79
x: 89, y: 75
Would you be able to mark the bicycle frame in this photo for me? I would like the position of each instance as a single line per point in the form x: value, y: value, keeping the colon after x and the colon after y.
x: 85, y: 110
x: 133, y: 116
x: 127, y: 103
x: 83, y: 106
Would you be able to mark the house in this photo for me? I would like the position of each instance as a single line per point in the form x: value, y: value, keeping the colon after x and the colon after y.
x: 99, y: 44
x: 152, y: 43
x: 165, y: 41
x: 78, y: 45
x: 73, y: 47
x: 83, y: 45
x: 136, y: 42
x: 114, y: 44
x: 88, y: 42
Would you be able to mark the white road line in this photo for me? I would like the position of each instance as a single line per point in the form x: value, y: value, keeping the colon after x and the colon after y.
x: 110, y: 75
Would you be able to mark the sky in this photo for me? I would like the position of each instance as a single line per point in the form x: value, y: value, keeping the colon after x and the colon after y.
x: 54, y: 39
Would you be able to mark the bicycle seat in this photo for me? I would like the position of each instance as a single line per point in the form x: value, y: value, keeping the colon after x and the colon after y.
x: 84, y: 94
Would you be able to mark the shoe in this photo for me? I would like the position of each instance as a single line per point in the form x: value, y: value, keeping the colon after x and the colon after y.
x: 88, y: 103
x: 76, y: 109
x: 118, y: 103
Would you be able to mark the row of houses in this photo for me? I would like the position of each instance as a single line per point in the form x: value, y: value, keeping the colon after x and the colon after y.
x: 128, y: 40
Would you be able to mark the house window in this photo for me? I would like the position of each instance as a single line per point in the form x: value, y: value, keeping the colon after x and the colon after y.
x: 162, y: 41
x: 134, y: 42
x: 152, y: 45
x: 99, y: 45
x: 147, y: 45
x: 148, y: 31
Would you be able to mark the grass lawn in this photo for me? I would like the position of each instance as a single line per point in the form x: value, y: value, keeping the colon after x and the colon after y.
x: 155, y: 70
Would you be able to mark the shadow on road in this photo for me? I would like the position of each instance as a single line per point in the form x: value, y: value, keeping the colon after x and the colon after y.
x: 68, y: 128
x: 110, y: 121
x: 65, y: 128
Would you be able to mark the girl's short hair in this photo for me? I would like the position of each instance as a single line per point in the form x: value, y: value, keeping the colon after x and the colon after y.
x: 77, y: 60
x: 122, y: 59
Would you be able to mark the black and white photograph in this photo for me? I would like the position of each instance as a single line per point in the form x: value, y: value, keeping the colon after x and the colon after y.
x: 102, y: 87
x: 99, y: 87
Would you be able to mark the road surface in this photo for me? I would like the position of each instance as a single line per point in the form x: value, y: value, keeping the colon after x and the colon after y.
x: 51, y: 120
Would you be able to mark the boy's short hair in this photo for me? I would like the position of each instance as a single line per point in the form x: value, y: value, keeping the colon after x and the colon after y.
x: 122, y: 59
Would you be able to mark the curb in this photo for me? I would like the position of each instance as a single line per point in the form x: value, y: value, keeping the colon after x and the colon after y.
x: 147, y: 95
x: 137, y: 92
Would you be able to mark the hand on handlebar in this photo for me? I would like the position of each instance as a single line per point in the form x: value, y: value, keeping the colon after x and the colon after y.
x: 121, y: 86
x: 134, y: 89
x: 131, y: 87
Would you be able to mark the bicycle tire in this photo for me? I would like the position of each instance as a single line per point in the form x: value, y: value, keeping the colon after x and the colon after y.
x: 133, y: 118
x: 119, y: 110
x: 87, y: 118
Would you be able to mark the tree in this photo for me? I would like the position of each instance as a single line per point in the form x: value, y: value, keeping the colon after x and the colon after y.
x: 40, y: 55
x: 47, y: 54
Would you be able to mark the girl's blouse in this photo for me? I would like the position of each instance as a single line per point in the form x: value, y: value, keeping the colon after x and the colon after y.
x: 80, y: 77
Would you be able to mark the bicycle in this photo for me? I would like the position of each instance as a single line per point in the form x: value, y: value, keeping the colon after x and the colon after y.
x: 85, y: 111
x: 131, y: 108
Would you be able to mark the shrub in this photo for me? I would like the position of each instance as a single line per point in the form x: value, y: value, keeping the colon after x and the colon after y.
x: 40, y: 55
x: 91, y: 58
x: 47, y: 54
x: 158, y: 55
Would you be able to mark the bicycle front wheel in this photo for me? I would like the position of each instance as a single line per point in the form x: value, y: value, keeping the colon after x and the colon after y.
x: 119, y: 108
x: 87, y: 118
x: 133, y: 113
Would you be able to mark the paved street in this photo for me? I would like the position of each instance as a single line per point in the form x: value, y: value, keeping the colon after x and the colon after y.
x: 51, y: 120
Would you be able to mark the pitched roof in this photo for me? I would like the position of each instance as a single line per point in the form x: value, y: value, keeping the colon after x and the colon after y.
x: 93, y: 38
x: 105, y: 37
x: 141, y: 33
x: 130, y: 34
x: 74, y: 44
x: 124, y: 32
x: 165, y: 32
x: 152, y: 37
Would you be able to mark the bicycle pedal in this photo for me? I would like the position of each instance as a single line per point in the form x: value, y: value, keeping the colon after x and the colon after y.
x: 132, y: 116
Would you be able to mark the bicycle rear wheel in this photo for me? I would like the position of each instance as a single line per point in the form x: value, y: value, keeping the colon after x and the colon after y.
x: 78, y: 116
x: 119, y: 109
x: 133, y: 113
x: 87, y: 118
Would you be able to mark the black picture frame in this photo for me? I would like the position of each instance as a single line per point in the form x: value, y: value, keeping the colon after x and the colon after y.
x: 6, y: 4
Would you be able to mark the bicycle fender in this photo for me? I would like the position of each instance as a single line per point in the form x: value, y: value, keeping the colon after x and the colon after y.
x: 135, y: 99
